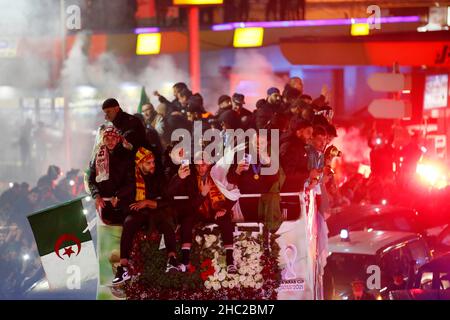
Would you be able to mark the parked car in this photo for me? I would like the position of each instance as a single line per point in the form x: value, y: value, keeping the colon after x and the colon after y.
x: 432, y: 282
x: 352, y: 254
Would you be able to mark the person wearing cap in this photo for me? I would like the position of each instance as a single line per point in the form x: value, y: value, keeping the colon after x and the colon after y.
x: 238, y: 101
x: 149, y: 209
x: 130, y: 128
x: 110, y: 180
x: 359, y: 292
x: 274, y: 99
x: 224, y: 103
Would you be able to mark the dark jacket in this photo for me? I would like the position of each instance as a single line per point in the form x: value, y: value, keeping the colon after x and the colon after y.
x: 121, y: 182
x: 243, y: 112
x: 132, y: 130
x: 294, y: 161
x: 189, y: 187
x: 156, y: 188
x: 246, y: 181
x: 173, y: 106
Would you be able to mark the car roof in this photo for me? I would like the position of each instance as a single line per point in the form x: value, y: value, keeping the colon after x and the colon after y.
x: 441, y: 263
x: 344, y: 216
x: 368, y: 210
x: 368, y: 242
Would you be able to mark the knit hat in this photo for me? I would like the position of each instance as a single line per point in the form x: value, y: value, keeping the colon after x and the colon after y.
x: 111, y: 132
x: 143, y: 154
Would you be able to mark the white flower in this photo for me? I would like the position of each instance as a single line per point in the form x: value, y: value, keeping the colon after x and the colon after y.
x: 221, y: 276
x: 216, y: 286
x: 242, y: 278
x: 198, y: 239
x: 225, y: 284
x: 208, y: 285
x: 258, y: 277
x: 213, y: 278
x: 244, y: 243
x: 236, y: 255
x: 258, y: 285
x: 233, y: 277
x: 231, y: 284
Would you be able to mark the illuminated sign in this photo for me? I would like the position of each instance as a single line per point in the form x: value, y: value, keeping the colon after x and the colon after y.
x: 196, y: 2
x: 360, y: 29
x: 248, y: 37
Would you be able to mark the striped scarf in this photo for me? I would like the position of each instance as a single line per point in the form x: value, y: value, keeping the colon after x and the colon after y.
x: 141, y: 155
x: 214, y: 200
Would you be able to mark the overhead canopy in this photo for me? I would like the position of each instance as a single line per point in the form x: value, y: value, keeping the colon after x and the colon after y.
x: 412, y: 49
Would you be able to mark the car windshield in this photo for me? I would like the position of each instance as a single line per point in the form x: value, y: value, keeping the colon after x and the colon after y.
x: 384, y: 222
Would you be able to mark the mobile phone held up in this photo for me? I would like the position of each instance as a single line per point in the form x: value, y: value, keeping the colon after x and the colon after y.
x: 247, y: 158
x: 185, y: 162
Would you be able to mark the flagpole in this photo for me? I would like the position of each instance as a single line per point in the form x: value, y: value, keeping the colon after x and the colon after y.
x: 66, y: 129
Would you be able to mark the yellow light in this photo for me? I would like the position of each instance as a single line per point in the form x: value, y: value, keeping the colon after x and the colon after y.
x: 195, y: 2
x: 248, y: 37
x: 148, y: 43
x: 360, y: 29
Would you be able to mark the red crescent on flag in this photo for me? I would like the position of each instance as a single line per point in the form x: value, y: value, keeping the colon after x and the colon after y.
x: 66, y: 237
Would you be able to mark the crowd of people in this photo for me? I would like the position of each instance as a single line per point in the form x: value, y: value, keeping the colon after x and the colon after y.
x: 125, y: 13
x: 136, y: 171
x: 20, y: 263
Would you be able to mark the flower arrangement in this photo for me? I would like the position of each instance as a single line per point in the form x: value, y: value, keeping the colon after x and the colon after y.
x: 256, y: 261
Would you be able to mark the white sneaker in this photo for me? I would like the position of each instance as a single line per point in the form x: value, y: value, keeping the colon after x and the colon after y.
x: 121, y: 275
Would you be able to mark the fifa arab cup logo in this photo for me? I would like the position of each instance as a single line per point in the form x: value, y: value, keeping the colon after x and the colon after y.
x: 289, y: 255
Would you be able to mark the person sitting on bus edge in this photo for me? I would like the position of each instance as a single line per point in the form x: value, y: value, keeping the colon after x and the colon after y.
x: 111, y: 181
x: 206, y: 204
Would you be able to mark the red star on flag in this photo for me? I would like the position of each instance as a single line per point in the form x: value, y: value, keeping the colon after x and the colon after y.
x: 68, y: 251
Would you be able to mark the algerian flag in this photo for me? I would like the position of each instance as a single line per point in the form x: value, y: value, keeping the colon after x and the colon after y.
x: 65, y: 245
x: 144, y: 100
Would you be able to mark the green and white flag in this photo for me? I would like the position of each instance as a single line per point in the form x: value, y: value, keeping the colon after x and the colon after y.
x: 65, y: 245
